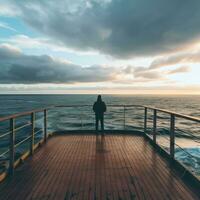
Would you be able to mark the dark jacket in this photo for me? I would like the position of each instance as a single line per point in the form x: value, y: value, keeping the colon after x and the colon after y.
x: 99, y: 107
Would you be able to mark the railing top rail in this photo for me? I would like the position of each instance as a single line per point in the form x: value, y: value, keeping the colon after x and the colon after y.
x: 196, y: 119
x: 109, y: 105
x: 21, y: 114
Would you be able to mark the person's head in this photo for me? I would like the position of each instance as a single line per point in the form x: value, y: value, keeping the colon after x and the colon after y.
x: 99, y: 98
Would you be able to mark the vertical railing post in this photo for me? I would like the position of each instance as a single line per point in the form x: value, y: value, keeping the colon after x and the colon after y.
x: 124, y: 117
x: 172, y: 135
x: 32, y: 133
x: 45, y: 125
x: 12, y: 146
x: 145, y: 119
x: 81, y: 119
x: 154, y: 125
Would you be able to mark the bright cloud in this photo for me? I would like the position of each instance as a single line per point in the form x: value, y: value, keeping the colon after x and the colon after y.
x: 182, y: 69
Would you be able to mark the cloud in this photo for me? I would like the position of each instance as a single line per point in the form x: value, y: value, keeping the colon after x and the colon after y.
x: 141, y: 72
x: 41, y: 43
x: 182, y: 69
x: 6, y: 49
x: 8, y: 9
x: 118, y: 28
x: 180, y: 58
x: 144, y: 74
x: 6, y: 26
x: 148, y: 74
x: 18, y: 68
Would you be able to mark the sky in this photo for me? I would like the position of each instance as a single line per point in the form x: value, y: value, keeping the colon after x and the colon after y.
x: 100, y: 46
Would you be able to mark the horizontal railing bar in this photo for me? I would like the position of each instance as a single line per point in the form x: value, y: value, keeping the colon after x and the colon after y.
x: 189, y: 154
x: 166, y: 138
x: 22, y: 114
x: 57, y: 106
x: 38, y: 131
x: 18, y: 128
x: 5, y: 134
x: 21, y: 142
x: 190, y: 134
x: 23, y: 126
x: 196, y: 119
x: 109, y: 105
x: 4, y: 153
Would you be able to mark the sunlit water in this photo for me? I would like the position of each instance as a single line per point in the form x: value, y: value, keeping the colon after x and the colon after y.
x: 187, y: 133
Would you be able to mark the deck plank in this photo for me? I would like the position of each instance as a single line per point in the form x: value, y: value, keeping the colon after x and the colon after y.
x: 94, y: 167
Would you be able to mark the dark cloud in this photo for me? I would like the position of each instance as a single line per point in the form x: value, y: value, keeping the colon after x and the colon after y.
x: 121, y: 28
x: 17, y: 67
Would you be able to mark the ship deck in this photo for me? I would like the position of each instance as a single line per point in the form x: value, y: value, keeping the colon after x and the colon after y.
x: 95, y: 167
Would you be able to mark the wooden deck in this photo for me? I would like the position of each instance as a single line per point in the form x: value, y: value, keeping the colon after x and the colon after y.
x: 89, y: 167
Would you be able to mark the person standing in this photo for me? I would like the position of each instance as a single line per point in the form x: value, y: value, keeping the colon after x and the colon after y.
x: 99, y: 108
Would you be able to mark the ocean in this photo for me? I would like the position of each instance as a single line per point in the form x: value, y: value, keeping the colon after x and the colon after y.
x: 184, y: 104
x: 73, y: 118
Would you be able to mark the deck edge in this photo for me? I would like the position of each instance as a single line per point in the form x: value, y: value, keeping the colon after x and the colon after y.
x: 188, y: 177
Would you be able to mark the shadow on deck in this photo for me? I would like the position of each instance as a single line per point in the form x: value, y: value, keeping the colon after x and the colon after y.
x: 95, y: 167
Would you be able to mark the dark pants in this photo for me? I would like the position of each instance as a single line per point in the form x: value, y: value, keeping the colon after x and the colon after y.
x: 99, y: 118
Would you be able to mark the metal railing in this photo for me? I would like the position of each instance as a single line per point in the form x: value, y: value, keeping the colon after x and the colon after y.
x: 116, y: 111
x: 174, y: 135
x: 150, y: 130
x: 13, y: 143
